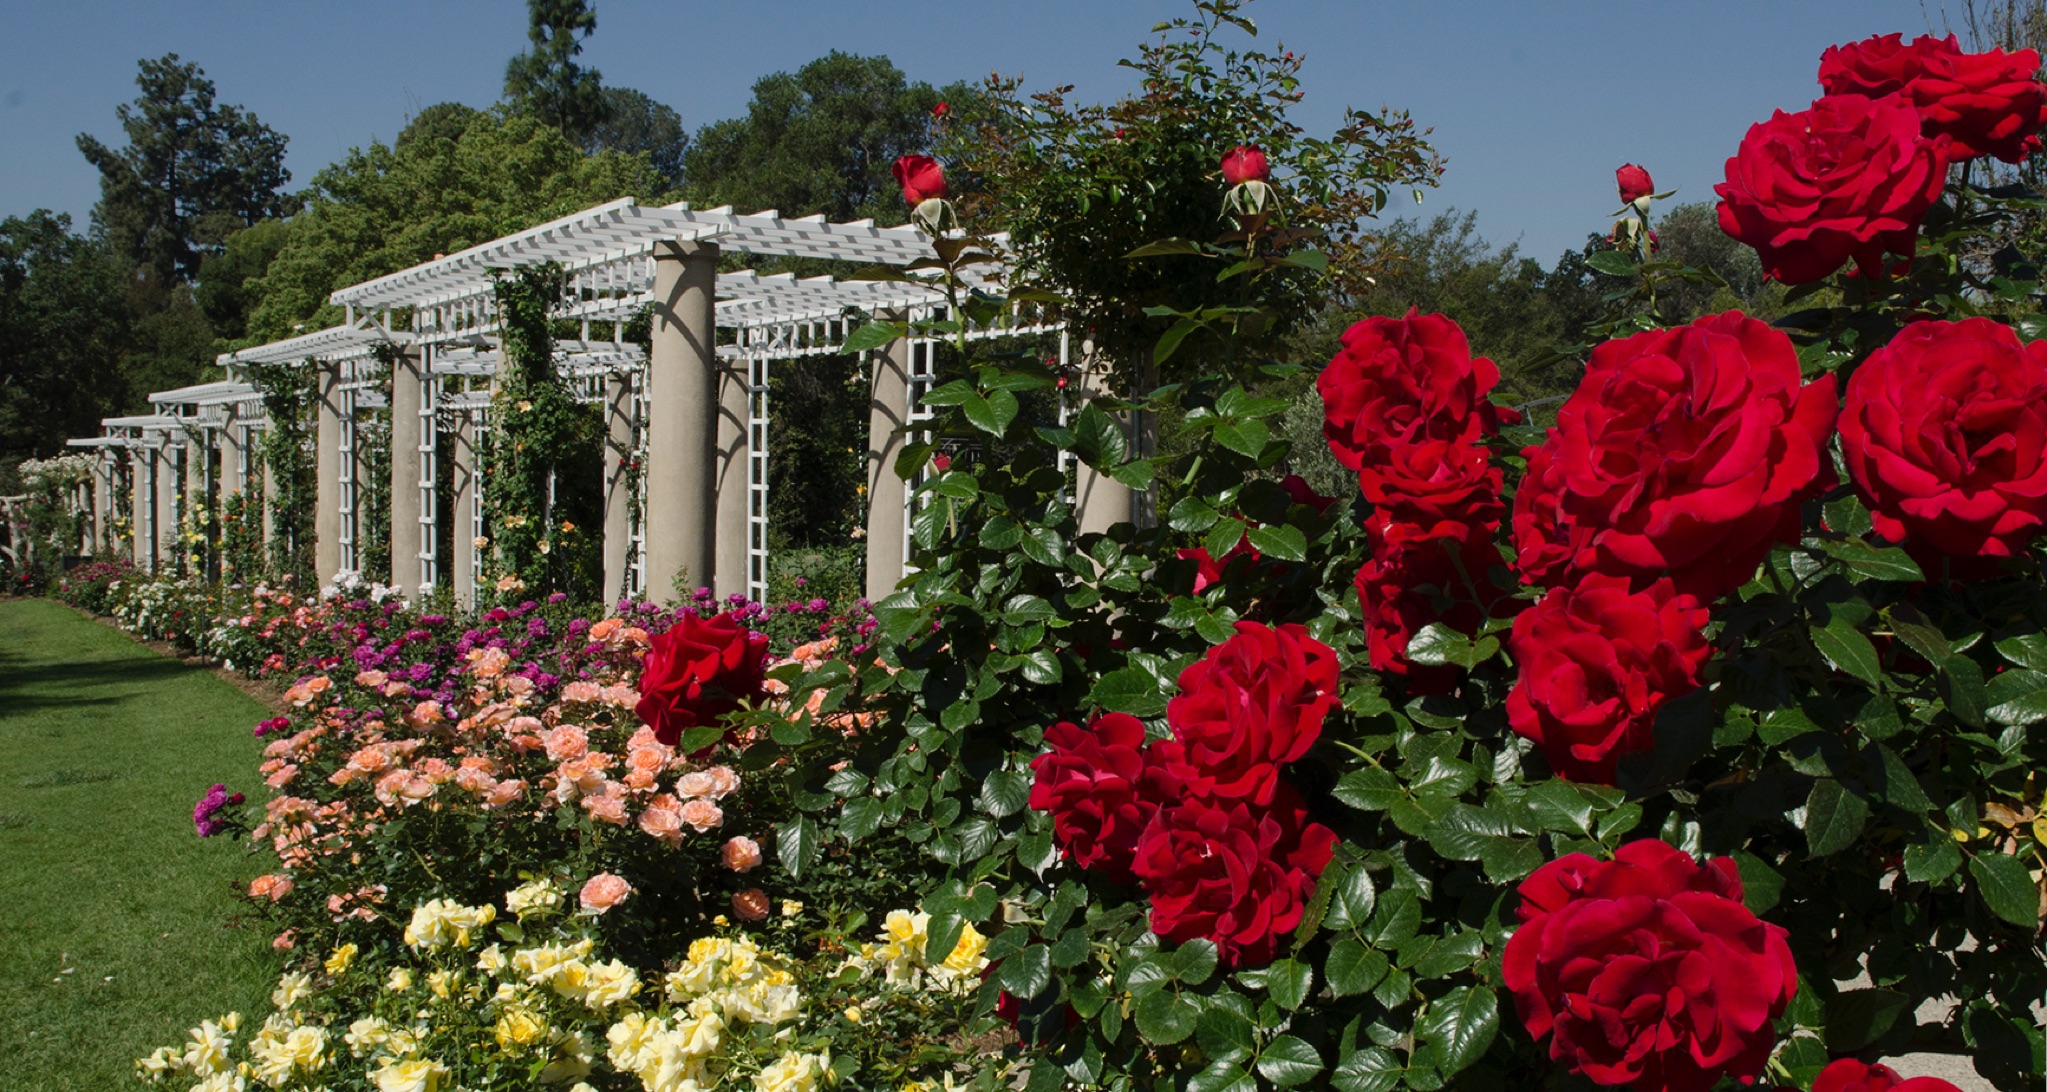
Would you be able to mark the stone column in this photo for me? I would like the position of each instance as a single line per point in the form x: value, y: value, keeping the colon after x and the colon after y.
x: 618, y: 451
x: 734, y: 474
x: 139, y: 493
x: 327, y: 472
x: 462, y: 448
x: 888, y: 407
x: 682, y: 406
x: 167, y: 485
x: 408, y: 535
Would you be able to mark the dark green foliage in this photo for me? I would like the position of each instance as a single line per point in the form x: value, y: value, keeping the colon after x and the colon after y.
x: 545, y: 81
x: 634, y: 124
x: 62, y: 332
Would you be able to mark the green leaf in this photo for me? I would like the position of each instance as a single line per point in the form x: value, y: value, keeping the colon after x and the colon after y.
x: 1450, y: 955
x: 1613, y: 264
x: 2025, y: 650
x: 1247, y: 437
x: 1224, y: 1075
x: 1005, y: 792
x: 1460, y: 1025
x: 1280, y: 541
x: 1191, y: 515
x: 1305, y: 259
x: 1962, y: 688
x: 2025, y: 709
x: 1353, y: 968
x: 1369, y: 790
x: 1160, y: 247
x: 1170, y: 341
x: 1289, y: 982
x: 1164, y: 1018
x: 1848, y: 650
x: 1024, y: 975
x: 1373, y: 1069
x: 1223, y: 1031
x: 1833, y: 817
x: 1194, y: 962
x: 2006, y: 888
x: 1288, y: 1061
x: 1130, y: 690
x: 1041, y: 666
x: 1761, y: 885
x: 991, y: 413
x: 1876, y: 563
x: 1897, y: 786
x: 1463, y: 832
x: 700, y: 737
x: 874, y: 335
x: 1098, y: 438
x: 861, y: 818
x: 797, y: 843
x: 1857, y: 1018
x: 1934, y: 859
x: 1437, y: 645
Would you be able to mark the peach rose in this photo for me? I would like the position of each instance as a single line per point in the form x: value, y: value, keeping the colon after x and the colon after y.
x: 282, y: 775
x: 724, y: 781
x: 742, y: 854
x: 474, y: 779
x: 604, y: 891
x: 602, y: 631
x: 702, y: 815
x: 425, y: 715
x: 662, y: 821
x: 696, y: 783
x: 488, y: 662
x: 582, y: 690
x: 650, y: 760
x: 750, y: 904
x: 518, y: 685
x: 504, y: 792
x: 566, y: 742
x: 607, y: 805
x: 436, y: 771
x: 274, y: 887
x: 371, y: 679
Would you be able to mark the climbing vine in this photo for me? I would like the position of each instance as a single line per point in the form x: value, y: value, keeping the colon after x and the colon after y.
x: 287, y: 465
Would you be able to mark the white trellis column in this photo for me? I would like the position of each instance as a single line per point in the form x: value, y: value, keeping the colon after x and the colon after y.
x: 618, y: 451
x: 167, y: 484
x: 327, y: 471
x: 462, y: 449
x: 682, y: 427
x: 102, y: 504
x: 139, y: 493
x: 408, y: 428
x: 887, y: 494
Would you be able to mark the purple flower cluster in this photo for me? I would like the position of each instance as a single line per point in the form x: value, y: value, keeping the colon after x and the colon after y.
x: 210, y: 805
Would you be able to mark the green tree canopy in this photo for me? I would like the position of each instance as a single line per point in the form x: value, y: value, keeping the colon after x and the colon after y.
x: 822, y: 139
x: 635, y: 123
x: 382, y: 208
x: 545, y: 81
x: 63, y: 331
x: 193, y: 171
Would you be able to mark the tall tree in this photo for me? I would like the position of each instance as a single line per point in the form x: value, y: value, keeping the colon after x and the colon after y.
x: 194, y: 171
x: 822, y: 139
x: 63, y: 331
x: 635, y: 123
x: 545, y: 80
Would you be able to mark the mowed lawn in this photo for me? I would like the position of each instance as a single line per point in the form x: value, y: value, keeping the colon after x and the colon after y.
x: 119, y: 927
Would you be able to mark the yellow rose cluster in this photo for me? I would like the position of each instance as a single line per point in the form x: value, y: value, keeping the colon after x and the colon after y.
x: 443, y: 922
x: 901, y: 958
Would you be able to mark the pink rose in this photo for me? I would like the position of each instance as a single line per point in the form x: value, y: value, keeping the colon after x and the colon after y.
x: 603, y: 892
x: 742, y: 854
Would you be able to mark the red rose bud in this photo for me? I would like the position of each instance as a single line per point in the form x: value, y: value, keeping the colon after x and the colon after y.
x: 1634, y: 183
x: 1245, y: 163
x: 941, y: 110
x: 921, y: 178
x: 942, y: 461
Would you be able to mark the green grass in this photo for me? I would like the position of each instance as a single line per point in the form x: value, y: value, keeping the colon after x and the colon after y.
x: 119, y: 926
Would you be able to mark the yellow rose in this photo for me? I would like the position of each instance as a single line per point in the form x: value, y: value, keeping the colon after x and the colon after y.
x: 399, y: 980
x: 413, y: 1075
x: 519, y: 1028
x: 792, y: 1073
x: 339, y: 961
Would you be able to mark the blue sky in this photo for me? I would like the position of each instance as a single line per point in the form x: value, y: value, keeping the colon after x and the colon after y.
x: 1534, y: 103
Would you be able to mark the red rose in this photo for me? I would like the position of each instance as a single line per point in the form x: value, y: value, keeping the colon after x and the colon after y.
x: 1647, y: 970
x: 1849, y: 1075
x: 1238, y: 874
x: 1990, y: 103
x: 697, y: 672
x: 1943, y: 433
x: 1849, y: 178
x: 1253, y: 703
x: 1091, y: 781
x: 940, y: 110
x: 1596, y: 663
x: 1402, y: 588
x: 1403, y: 381
x: 1684, y: 452
x: 1634, y: 183
x: 921, y: 178
x: 1432, y: 489
x: 1298, y: 488
x: 1245, y: 163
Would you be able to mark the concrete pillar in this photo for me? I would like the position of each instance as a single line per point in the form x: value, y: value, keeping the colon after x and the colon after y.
x: 732, y: 474
x: 327, y: 472
x: 408, y: 535
x: 888, y: 407
x: 139, y: 493
x: 462, y: 449
x: 618, y: 451
x: 682, y: 430
x: 168, y: 482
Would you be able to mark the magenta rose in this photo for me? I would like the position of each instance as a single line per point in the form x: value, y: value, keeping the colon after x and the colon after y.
x: 698, y: 672
x: 1989, y: 103
x: 1850, y: 178
x: 1596, y: 662
x: 1236, y: 873
x: 1253, y: 703
x: 1943, y: 433
x: 1647, y: 970
x: 1684, y: 452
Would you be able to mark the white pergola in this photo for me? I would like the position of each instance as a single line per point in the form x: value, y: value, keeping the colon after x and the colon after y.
x: 693, y: 409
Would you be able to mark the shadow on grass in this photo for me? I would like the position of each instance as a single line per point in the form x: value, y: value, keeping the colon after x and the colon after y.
x: 72, y: 684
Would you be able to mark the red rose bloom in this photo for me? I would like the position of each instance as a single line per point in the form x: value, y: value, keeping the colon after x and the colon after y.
x: 1943, y: 433
x: 1298, y: 488
x: 1433, y: 489
x: 1254, y: 702
x: 1238, y: 874
x: 1849, y: 1075
x: 1684, y: 452
x: 1403, y: 381
x: 1208, y: 571
x: 1849, y: 178
x: 1633, y: 182
x: 1091, y: 781
x: 1596, y: 663
x: 697, y: 672
x: 1990, y: 103
x: 1402, y: 588
x: 921, y: 178
x: 1245, y: 163
x: 1647, y: 970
